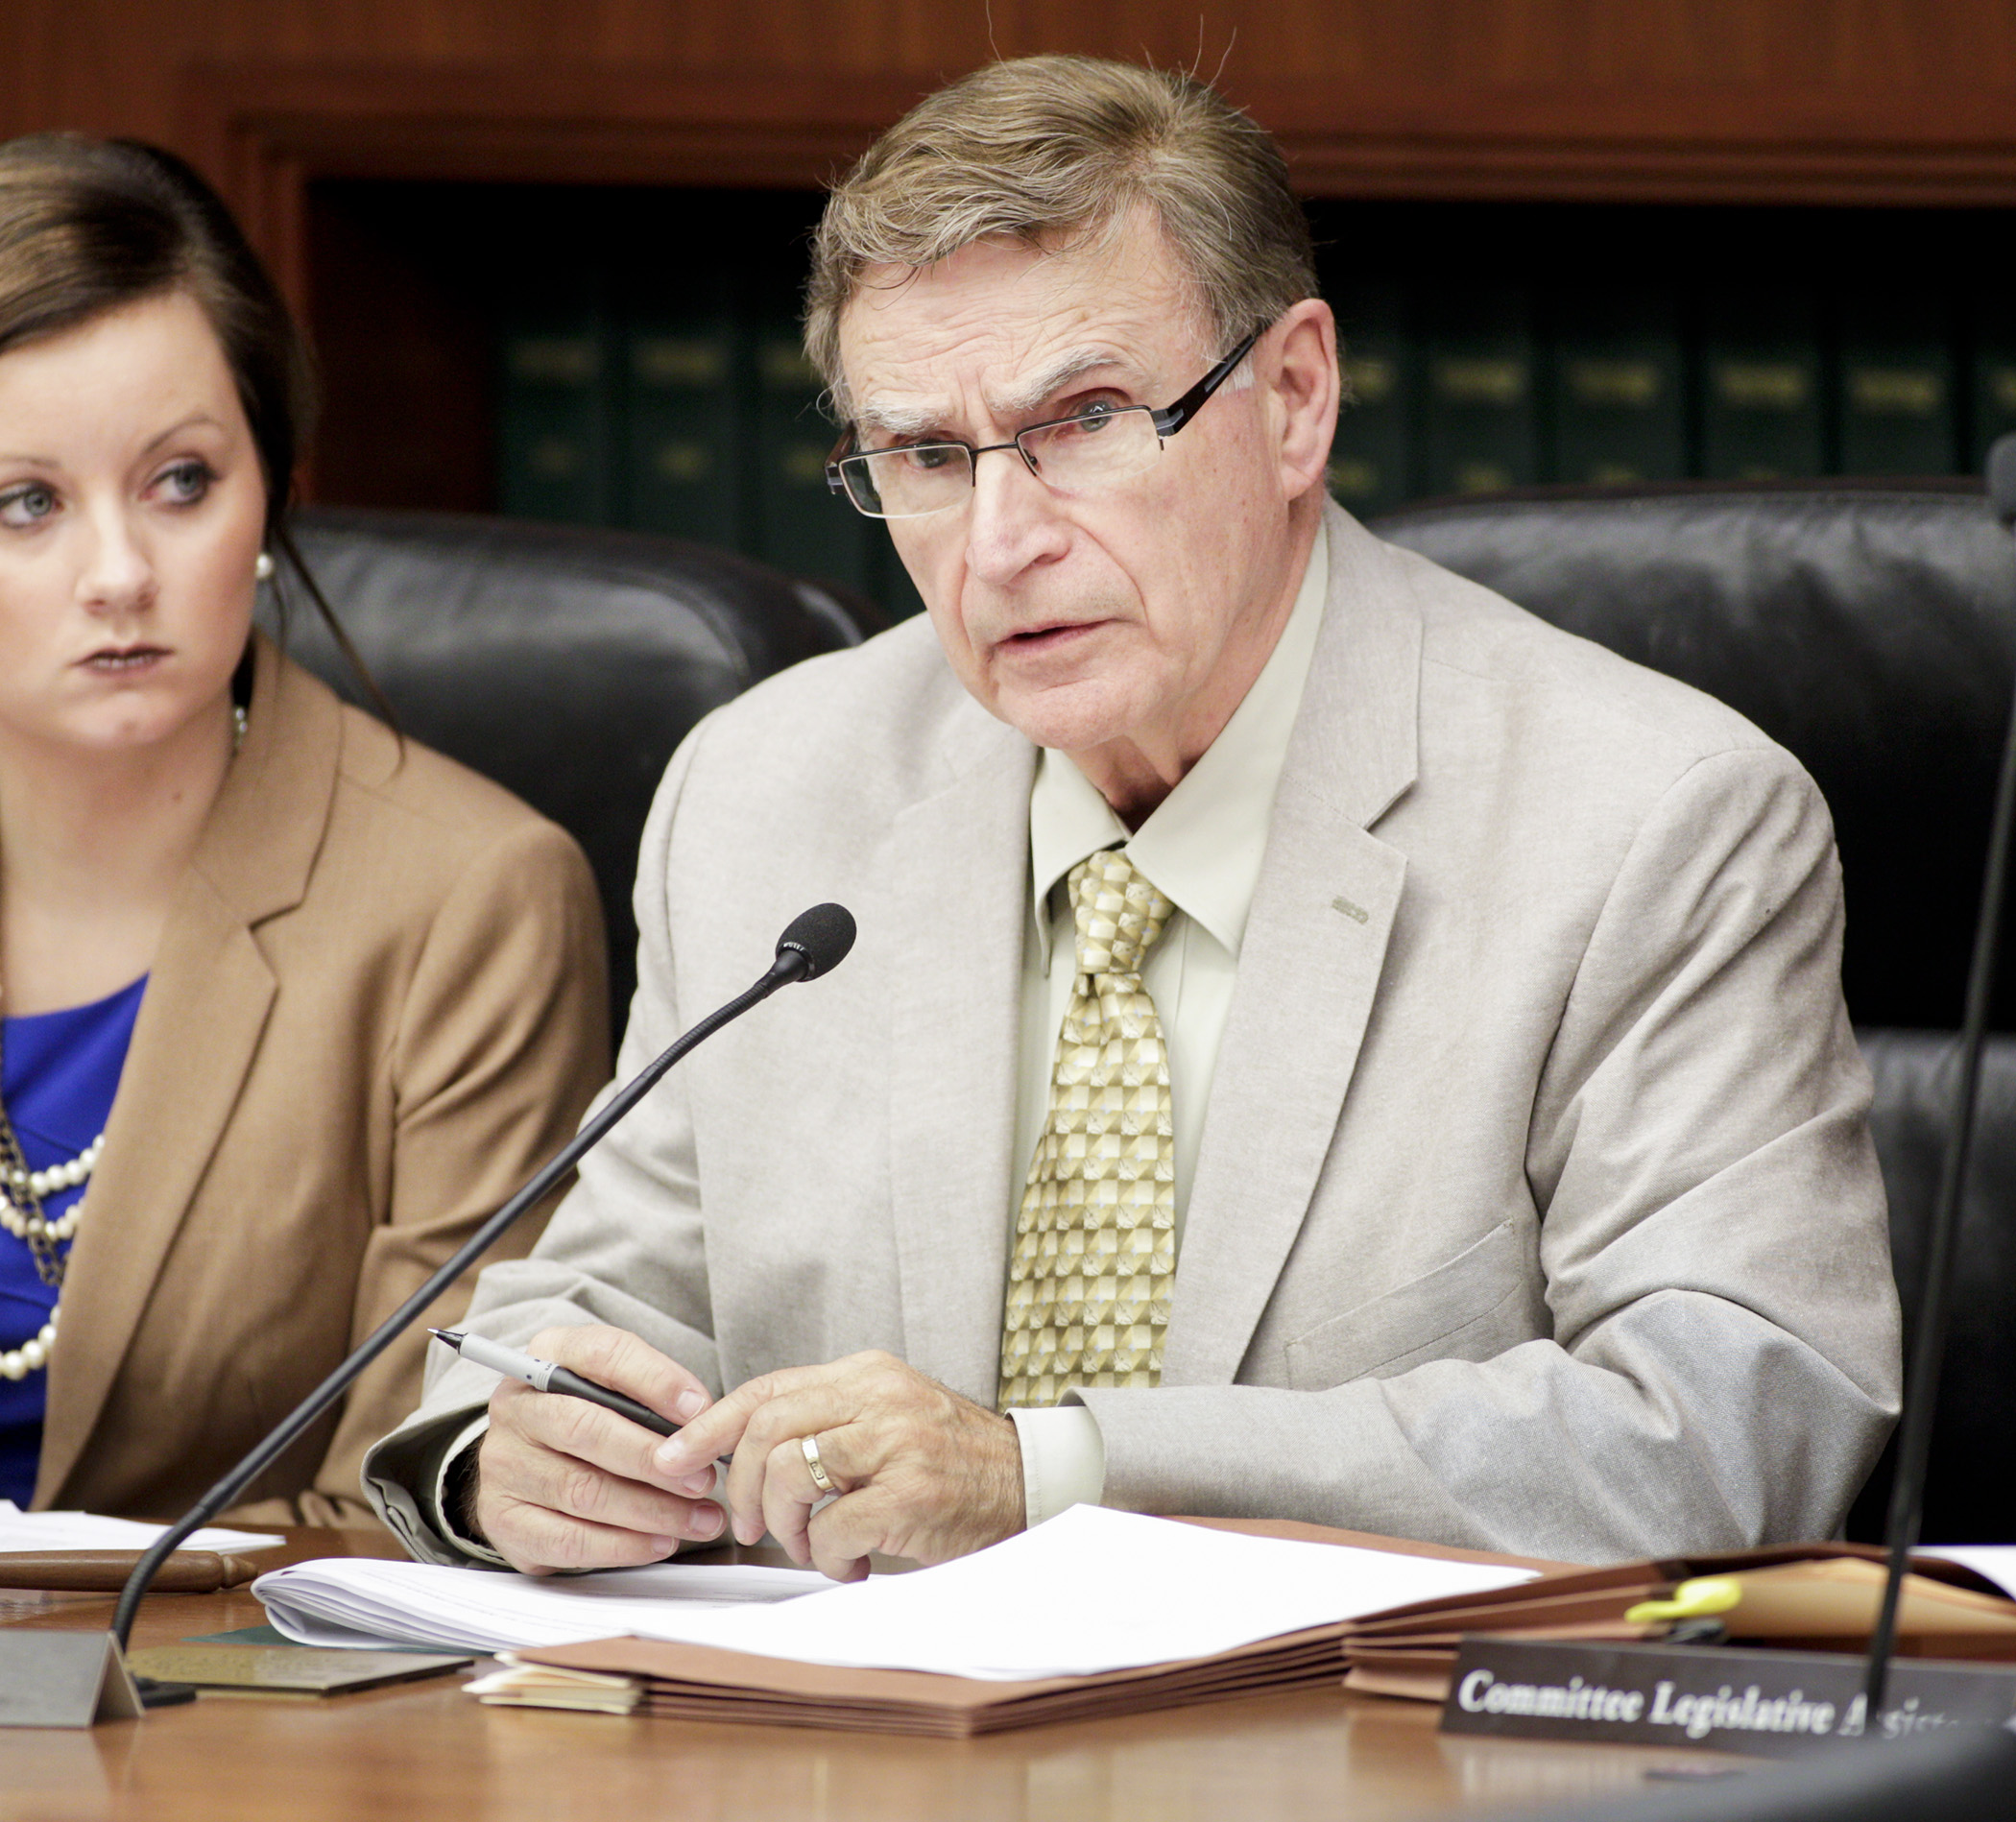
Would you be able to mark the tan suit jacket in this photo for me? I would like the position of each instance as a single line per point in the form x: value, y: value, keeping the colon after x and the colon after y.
x: 378, y: 1005
x: 1535, y: 1208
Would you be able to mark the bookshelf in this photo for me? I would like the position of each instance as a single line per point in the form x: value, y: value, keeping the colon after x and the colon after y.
x: 625, y: 354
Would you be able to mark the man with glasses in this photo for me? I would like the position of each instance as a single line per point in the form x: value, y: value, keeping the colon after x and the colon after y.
x: 1321, y: 1044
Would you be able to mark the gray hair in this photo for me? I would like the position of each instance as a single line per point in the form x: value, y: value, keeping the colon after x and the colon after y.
x: 1048, y: 151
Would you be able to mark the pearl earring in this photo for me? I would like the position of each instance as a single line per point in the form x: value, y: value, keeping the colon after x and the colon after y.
x: 263, y: 568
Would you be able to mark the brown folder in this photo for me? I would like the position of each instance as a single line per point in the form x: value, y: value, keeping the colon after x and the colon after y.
x: 702, y: 1683
x: 1809, y: 1597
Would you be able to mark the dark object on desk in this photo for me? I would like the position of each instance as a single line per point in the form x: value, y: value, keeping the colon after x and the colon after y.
x: 105, y: 1571
x: 287, y: 1669
x: 566, y: 665
x: 1710, y: 1699
x: 1871, y: 629
x: 1965, y: 1775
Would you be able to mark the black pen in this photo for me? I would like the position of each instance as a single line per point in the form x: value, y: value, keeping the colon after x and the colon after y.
x: 547, y: 1376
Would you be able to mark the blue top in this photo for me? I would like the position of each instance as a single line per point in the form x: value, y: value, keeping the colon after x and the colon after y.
x: 62, y: 1072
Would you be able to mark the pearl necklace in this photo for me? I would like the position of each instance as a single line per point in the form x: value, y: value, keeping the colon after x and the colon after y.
x: 21, y: 1193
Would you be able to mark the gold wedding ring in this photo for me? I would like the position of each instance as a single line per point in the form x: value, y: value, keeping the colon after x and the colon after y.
x: 820, y: 1478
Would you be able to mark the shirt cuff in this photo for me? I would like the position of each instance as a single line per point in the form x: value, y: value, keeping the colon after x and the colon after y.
x: 435, y: 1503
x: 1064, y: 1459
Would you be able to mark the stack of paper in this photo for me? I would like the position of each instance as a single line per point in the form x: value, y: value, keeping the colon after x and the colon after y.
x: 1096, y: 1612
x: 521, y: 1684
x: 86, y: 1531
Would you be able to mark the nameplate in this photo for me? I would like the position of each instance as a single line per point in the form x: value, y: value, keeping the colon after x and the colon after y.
x: 62, y: 1679
x: 1718, y: 1698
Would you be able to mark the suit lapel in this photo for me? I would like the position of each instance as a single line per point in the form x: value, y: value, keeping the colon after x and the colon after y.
x: 959, y: 896
x: 209, y: 996
x: 1309, y: 964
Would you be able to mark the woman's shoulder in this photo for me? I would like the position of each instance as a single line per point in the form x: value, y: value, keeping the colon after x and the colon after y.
x: 396, y: 800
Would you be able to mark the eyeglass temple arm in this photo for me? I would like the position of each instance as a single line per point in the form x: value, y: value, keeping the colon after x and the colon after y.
x: 835, y: 481
x: 1172, y: 418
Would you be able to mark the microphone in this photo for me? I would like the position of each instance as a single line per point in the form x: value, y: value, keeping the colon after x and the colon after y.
x: 815, y: 943
x: 1922, y: 1383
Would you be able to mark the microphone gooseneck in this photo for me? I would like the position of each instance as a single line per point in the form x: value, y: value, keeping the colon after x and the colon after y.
x: 816, y: 942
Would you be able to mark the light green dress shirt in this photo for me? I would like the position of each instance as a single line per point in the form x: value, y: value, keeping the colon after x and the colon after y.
x: 1202, y: 847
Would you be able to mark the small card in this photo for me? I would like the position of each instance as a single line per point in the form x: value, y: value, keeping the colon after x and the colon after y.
x: 62, y: 1679
x: 239, y: 1670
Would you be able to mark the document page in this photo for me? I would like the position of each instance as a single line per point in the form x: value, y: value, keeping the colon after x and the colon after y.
x: 1996, y: 1561
x: 86, y: 1531
x: 1090, y: 1591
x: 1097, y: 1589
x: 349, y: 1601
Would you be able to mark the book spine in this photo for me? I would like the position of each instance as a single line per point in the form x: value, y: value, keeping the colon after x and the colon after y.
x: 803, y: 528
x: 1896, y: 401
x: 1992, y: 376
x: 682, y: 438
x: 1616, y: 390
x: 1761, y: 388
x: 1480, y: 425
x: 555, y: 413
x: 1371, y: 456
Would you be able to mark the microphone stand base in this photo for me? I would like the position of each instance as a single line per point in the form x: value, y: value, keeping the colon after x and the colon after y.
x: 64, y: 1679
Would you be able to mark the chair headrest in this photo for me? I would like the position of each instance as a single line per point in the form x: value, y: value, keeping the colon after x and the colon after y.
x: 566, y: 665
x: 1869, y: 628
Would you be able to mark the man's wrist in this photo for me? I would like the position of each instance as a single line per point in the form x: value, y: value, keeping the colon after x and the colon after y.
x: 455, y: 1496
x: 1064, y: 1460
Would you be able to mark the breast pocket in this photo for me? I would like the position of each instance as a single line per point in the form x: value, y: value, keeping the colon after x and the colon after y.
x: 1487, y: 1298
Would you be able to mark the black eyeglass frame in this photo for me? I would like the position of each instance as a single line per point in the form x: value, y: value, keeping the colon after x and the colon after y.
x: 1167, y: 419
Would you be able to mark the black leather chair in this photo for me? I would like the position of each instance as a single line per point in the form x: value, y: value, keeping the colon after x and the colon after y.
x: 566, y: 665
x: 1871, y: 629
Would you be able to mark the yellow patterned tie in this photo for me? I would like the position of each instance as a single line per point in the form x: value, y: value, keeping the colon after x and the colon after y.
x: 1095, y: 1242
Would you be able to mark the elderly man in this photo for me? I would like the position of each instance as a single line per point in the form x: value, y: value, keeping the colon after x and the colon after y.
x: 1321, y: 1044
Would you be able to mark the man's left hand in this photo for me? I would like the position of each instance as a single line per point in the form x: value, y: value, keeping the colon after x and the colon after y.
x: 919, y: 1471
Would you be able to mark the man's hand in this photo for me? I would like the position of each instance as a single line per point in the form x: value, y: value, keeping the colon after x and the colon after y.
x: 564, y: 1484
x: 920, y: 1472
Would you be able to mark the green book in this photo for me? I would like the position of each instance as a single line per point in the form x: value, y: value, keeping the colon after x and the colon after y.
x: 802, y: 527
x: 1993, y: 381
x: 1896, y: 402
x: 1760, y: 397
x: 1616, y: 390
x: 1480, y: 422
x: 1371, y: 455
x: 554, y: 416
x: 681, y: 437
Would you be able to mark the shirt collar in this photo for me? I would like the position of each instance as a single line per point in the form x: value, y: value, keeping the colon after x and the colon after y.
x: 1203, y: 844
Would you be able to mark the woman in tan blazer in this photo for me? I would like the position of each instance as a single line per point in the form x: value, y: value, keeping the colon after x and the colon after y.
x: 370, y: 986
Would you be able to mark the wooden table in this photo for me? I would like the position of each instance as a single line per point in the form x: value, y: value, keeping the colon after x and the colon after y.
x: 425, y: 1750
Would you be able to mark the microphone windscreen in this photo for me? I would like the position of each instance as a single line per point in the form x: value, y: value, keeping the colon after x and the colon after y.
x: 822, y: 935
x: 2002, y: 477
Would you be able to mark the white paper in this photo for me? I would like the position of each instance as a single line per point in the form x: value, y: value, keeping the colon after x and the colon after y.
x: 1090, y: 1591
x: 86, y: 1531
x: 351, y: 1600
x: 1996, y: 1561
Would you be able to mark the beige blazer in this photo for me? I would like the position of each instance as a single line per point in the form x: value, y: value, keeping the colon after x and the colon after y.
x: 378, y: 1005
x: 1535, y: 1208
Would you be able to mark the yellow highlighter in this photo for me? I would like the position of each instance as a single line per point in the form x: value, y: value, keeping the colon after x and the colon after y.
x: 1702, y: 1598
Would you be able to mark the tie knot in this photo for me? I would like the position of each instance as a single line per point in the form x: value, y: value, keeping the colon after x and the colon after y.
x: 1118, y: 912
